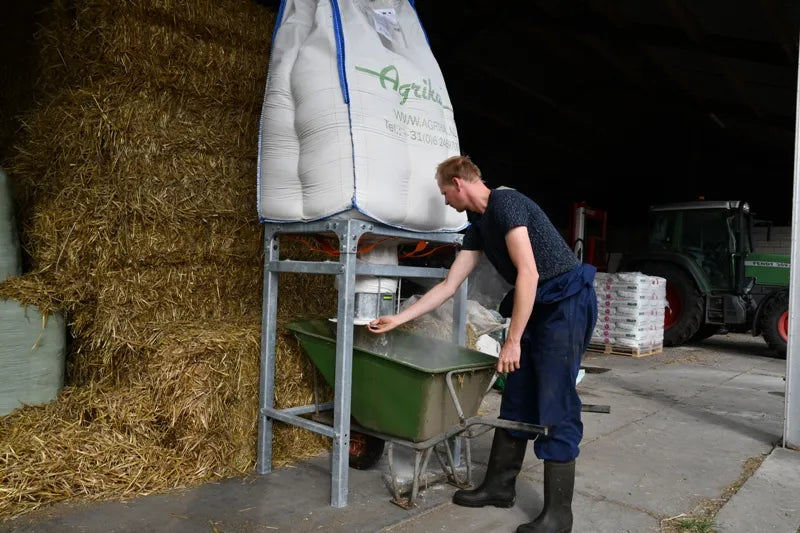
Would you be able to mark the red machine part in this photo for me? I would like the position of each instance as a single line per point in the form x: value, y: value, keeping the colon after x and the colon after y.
x: 587, y: 232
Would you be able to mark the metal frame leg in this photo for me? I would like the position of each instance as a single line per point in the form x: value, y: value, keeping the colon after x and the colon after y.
x: 392, y: 476
x: 266, y: 387
x: 460, y: 315
x: 348, y: 243
x: 460, y: 338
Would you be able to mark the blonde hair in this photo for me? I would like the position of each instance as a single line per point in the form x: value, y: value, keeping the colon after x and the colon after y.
x: 457, y: 166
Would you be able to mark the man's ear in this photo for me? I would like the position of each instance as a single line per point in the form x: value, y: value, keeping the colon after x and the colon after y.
x: 458, y: 183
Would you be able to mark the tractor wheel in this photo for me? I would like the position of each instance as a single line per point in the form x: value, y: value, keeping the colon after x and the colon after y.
x: 705, y: 331
x: 365, y: 450
x: 683, y: 314
x: 774, y: 323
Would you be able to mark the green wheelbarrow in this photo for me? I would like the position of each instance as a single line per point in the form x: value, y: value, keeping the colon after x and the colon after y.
x: 409, y: 390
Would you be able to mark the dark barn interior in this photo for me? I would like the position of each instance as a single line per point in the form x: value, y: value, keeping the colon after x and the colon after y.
x: 625, y: 104
x: 618, y: 104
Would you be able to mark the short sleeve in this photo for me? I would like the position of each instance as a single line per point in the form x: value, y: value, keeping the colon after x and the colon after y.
x: 510, y: 213
x: 472, y: 239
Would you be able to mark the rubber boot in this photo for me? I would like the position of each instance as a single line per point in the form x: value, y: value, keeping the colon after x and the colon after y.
x: 499, y: 485
x: 556, y: 515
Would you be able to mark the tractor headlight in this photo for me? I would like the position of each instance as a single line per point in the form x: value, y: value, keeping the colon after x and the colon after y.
x: 745, y: 208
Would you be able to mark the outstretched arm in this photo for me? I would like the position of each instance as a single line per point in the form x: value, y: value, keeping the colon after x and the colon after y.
x: 519, y: 249
x: 464, y: 264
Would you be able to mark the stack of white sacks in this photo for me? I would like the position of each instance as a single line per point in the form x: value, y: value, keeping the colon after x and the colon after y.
x: 630, y: 310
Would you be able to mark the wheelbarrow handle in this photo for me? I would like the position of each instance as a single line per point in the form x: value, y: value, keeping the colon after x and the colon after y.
x: 452, y: 389
x: 586, y: 408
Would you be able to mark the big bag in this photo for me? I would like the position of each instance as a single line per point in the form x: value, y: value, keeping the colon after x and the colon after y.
x: 355, y: 118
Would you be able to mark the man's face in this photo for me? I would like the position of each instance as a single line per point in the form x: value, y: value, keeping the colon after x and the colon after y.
x: 452, y: 196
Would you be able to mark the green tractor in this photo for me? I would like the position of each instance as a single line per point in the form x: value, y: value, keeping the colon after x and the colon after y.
x: 714, y: 279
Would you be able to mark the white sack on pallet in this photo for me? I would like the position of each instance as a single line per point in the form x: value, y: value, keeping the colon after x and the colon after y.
x: 355, y: 118
x: 630, y: 309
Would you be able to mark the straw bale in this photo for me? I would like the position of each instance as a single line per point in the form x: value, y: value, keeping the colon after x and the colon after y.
x: 205, y: 377
x: 135, y: 180
x: 128, y: 303
x: 131, y: 301
x: 79, y: 42
x: 66, y: 235
x: 100, y: 133
x: 193, y: 63
x: 173, y: 294
x: 187, y: 415
x: 148, y: 243
x: 153, y: 177
x: 192, y: 418
x: 78, y: 236
x: 33, y: 290
x: 89, y: 443
x: 56, y: 39
x: 205, y: 17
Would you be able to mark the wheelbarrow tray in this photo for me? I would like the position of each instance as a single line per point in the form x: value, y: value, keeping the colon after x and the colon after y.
x: 399, y: 383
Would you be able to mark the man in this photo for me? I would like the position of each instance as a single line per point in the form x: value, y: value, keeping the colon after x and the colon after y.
x: 553, y: 309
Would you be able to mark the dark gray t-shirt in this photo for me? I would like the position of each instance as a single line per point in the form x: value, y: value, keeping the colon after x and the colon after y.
x: 508, y: 209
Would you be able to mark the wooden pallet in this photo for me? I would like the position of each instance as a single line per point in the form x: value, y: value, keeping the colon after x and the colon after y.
x: 630, y: 351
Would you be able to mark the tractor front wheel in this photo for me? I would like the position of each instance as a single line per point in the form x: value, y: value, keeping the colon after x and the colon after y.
x: 683, y: 314
x: 775, y: 323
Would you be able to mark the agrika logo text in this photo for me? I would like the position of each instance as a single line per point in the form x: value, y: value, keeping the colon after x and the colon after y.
x: 390, y: 79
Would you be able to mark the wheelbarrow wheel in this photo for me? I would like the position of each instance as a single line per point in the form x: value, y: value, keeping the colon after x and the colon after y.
x: 365, y: 450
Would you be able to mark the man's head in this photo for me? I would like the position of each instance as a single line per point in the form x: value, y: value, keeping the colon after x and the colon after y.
x: 458, y: 166
x: 455, y: 175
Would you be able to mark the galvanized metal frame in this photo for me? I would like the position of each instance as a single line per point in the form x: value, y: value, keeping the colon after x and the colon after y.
x: 791, y: 430
x: 348, y: 233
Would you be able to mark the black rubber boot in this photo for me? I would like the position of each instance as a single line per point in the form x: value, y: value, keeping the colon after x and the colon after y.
x: 556, y: 516
x: 499, y: 485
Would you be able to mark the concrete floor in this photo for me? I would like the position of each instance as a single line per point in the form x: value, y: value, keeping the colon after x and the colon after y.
x: 682, y: 425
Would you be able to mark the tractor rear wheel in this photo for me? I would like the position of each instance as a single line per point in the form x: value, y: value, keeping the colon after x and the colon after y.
x: 683, y: 314
x: 774, y: 323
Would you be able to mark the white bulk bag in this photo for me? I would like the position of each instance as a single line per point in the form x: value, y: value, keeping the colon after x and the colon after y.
x: 355, y: 118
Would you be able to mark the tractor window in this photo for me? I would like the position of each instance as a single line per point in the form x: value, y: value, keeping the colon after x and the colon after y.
x: 733, y: 230
x: 662, y: 230
x: 707, y: 238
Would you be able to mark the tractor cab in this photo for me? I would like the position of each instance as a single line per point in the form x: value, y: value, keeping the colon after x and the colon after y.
x: 714, y: 236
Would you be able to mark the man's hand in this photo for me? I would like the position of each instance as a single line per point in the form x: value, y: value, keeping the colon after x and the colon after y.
x: 384, y: 323
x: 508, y: 360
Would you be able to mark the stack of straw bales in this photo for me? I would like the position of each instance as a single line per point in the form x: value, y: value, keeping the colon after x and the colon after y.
x: 135, y: 187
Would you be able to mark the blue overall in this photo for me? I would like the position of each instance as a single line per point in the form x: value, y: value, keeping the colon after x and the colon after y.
x: 543, y: 390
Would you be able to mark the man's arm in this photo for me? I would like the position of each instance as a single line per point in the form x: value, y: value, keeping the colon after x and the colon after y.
x: 465, y: 262
x: 519, y: 249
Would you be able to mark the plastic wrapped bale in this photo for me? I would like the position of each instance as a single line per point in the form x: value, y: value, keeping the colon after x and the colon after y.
x: 10, y: 264
x: 32, y: 350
